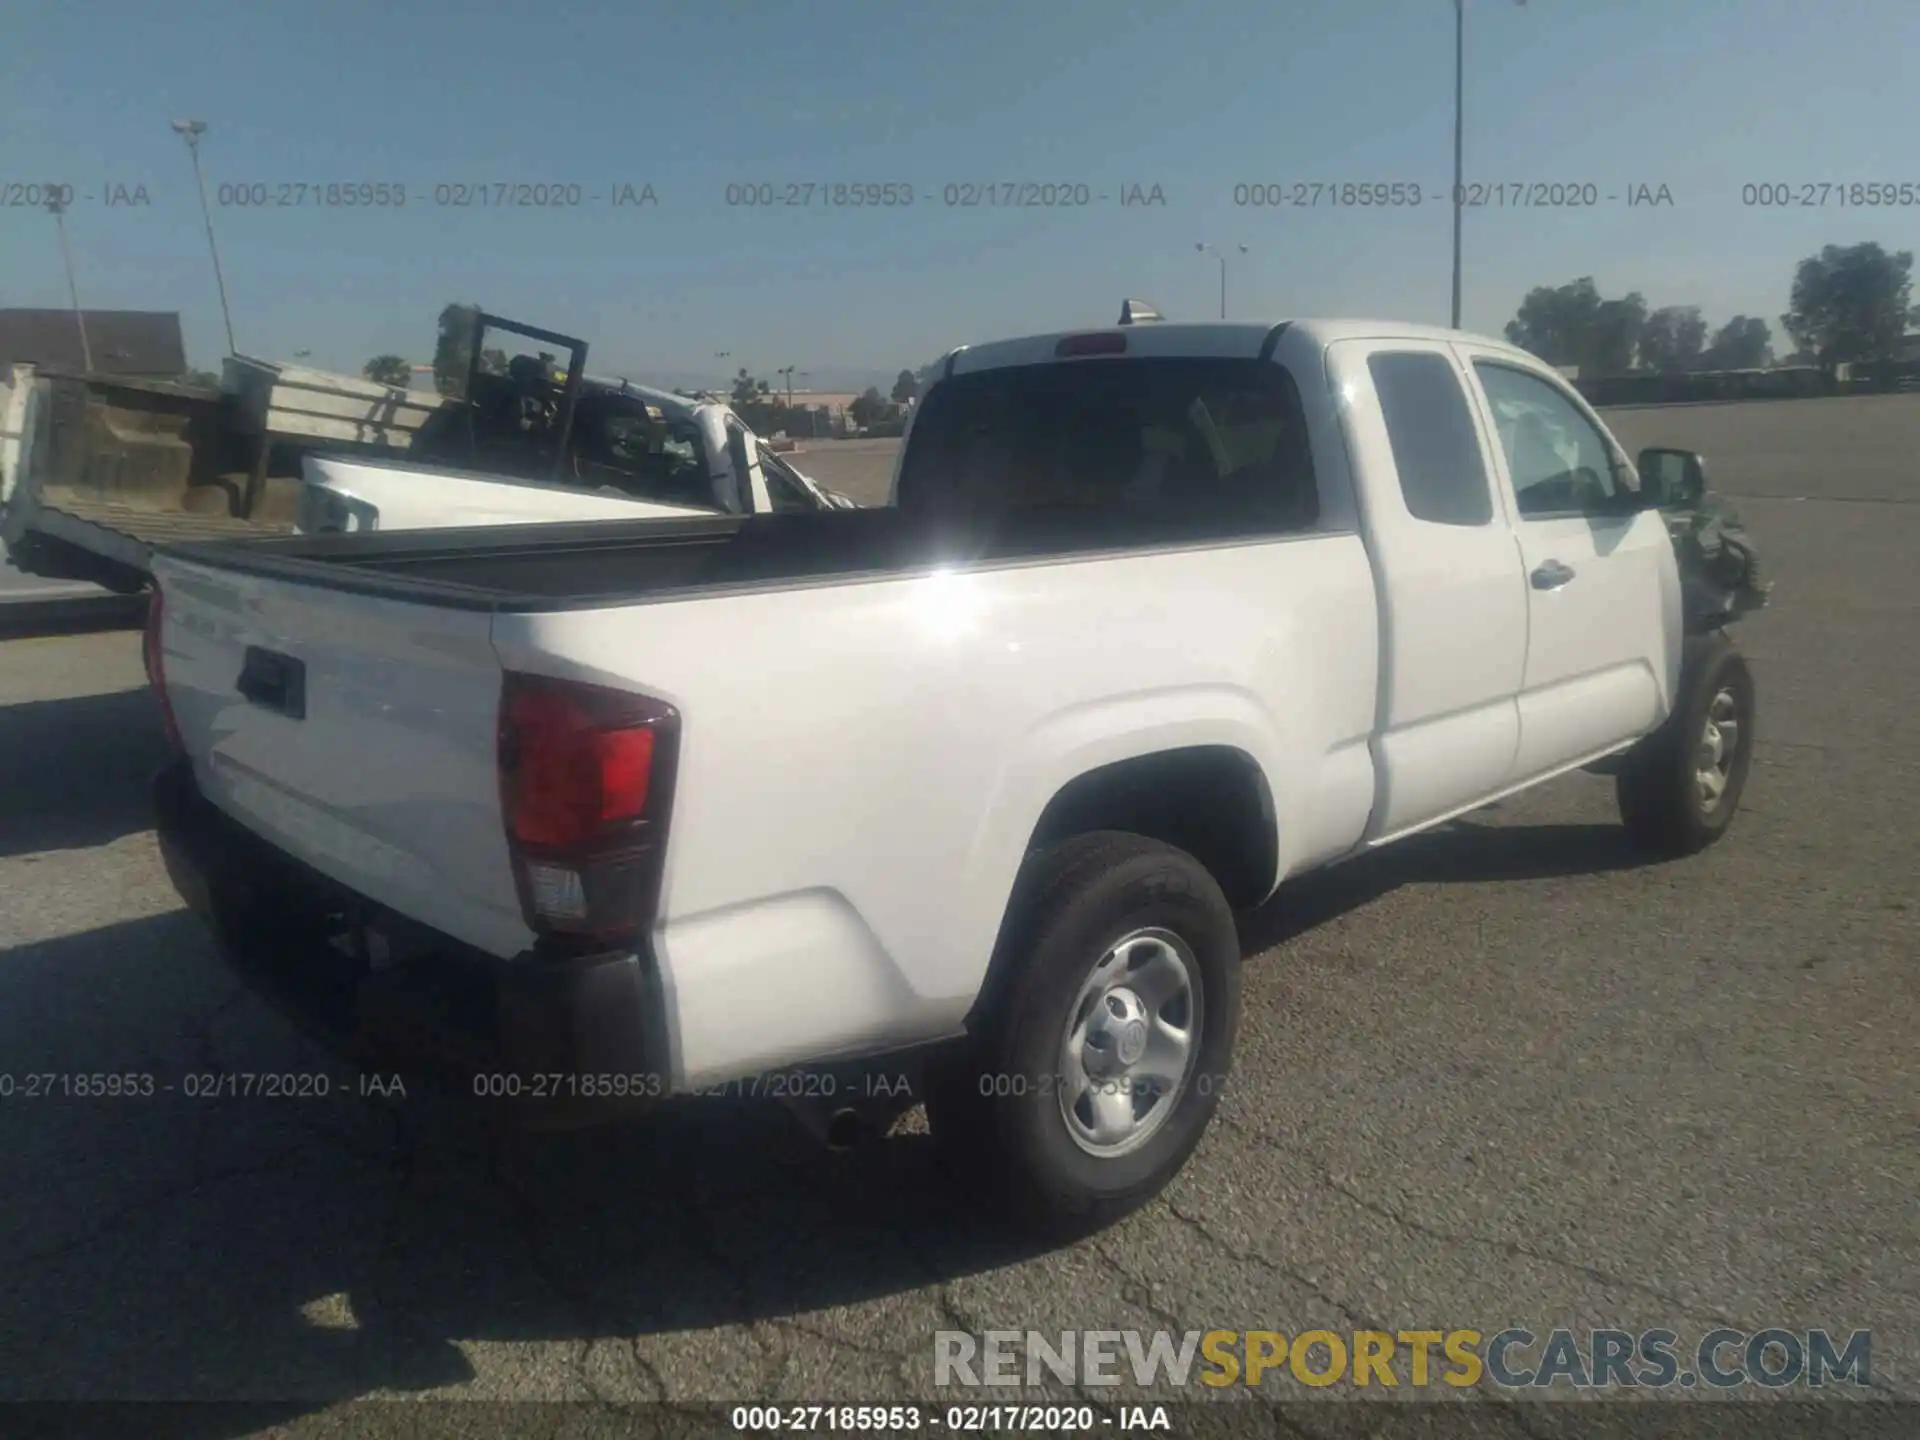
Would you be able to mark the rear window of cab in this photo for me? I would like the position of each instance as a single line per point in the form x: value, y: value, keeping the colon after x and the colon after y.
x: 1175, y: 446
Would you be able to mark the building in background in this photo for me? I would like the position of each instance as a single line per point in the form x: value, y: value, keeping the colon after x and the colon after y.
x: 145, y: 344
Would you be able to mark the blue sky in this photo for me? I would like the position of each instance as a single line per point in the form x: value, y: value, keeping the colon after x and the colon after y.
x: 1703, y: 96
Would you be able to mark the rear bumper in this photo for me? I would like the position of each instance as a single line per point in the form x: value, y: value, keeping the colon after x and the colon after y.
x: 562, y: 1041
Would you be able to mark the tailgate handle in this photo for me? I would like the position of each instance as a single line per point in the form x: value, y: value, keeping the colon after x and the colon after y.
x: 274, y: 682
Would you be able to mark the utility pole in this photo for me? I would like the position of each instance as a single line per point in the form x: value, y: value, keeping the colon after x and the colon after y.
x: 1206, y: 249
x: 57, y: 207
x: 191, y: 131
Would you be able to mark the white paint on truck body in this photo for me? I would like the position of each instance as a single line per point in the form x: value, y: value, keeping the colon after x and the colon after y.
x: 864, y: 758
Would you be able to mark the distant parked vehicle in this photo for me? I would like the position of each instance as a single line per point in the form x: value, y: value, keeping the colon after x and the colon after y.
x: 98, y: 470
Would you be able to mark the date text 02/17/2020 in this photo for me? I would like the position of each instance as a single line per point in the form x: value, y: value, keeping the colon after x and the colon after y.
x: 960, y: 1419
x: 196, y: 1085
x: 954, y: 195
x: 1407, y: 194
x: 650, y: 1085
x: 443, y: 195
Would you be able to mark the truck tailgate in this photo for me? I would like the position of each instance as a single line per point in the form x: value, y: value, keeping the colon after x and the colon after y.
x: 357, y: 733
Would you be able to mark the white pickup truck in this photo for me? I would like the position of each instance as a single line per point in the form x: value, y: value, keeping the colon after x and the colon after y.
x: 1159, y: 617
x: 637, y: 453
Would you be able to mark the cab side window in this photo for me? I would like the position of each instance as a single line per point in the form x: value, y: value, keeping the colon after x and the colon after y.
x: 1559, y: 462
x: 1436, y: 449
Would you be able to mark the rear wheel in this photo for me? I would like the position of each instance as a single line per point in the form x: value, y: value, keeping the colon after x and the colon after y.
x: 1092, y: 1075
x: 1680, y: 790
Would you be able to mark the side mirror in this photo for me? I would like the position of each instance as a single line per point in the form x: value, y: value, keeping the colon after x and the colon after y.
x: 1671, y: 479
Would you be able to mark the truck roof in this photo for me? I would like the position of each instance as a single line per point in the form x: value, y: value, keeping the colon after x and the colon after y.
x: 677, y: 406
x: 1225, y: 339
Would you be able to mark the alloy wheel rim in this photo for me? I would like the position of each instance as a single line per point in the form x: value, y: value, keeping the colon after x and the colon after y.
x: 1131, y: 1039
x: 1719, y: 745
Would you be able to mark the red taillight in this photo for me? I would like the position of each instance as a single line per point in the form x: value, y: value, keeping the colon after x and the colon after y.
x: 571, y: 775
x: 584, y: 778
x: 1105, y: 342
x: 153, y: 653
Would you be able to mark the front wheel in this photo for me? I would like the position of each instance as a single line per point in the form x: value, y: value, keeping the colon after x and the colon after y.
x: 1094, y: 1073
x: 1680, y: 789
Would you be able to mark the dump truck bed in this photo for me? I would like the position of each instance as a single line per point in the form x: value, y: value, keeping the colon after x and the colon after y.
x: 124, y: 533
x: 107, y: 467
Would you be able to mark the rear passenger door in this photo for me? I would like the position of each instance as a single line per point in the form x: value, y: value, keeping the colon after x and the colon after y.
x: 1452, y: 599
x: 1599, y: 571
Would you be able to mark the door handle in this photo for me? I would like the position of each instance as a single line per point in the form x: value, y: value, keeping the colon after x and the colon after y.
x: 1551, y: 575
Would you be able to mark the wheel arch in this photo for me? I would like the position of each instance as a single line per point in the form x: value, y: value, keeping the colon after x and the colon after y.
x: 1212, y: 800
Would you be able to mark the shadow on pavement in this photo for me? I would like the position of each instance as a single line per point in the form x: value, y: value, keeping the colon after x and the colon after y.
x: 303, y: 1251
x: 297, y: 1252
x: 77, y: 772
x: 1460, y: 852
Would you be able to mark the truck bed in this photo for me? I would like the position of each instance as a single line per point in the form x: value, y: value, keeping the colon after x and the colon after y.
x: 584, y: 564
x: 588, y: 563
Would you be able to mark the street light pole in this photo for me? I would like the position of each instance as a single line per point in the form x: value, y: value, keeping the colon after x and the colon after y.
x: 1459, y: 141
x: 191, y: 131
x: 57, y: 207
x: 1206, y: 249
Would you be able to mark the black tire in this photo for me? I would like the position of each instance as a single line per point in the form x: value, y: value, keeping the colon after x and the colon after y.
x: 1661, y: 802
x: 1009, y: 1137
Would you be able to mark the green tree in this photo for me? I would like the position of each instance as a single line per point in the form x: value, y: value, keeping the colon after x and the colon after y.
x: 1614, y: 342
x: 453, y: 351
x: 746, y: 389
x: 868, y: 406
x: 1555, y: 322
x: 1851, y: 302
x: 1572, y: 325
x: 905, y: 387
x: 388, y: 370
x: 1672, y: 339
x: 1743, y: 343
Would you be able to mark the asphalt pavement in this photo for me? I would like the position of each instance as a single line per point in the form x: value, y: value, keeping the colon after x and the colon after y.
x: 1506, y: 1074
